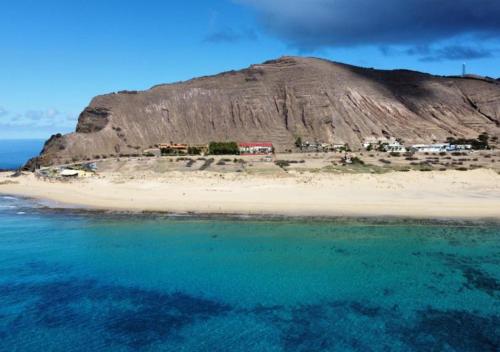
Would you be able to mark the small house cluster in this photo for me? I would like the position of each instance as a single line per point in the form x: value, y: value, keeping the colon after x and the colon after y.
x: 68, y: 172
x: 393, y: 145
x: 390, y: 145
x: 439, y: 148
x: 242, y: 148
x: 183, y: 149
x: 312, y: 147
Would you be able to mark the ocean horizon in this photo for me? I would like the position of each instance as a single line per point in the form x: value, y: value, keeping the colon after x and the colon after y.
x: 14, y: 153
x: 84, y: 281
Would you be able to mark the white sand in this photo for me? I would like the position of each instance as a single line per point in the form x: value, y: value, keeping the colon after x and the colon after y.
x: 450, y: 194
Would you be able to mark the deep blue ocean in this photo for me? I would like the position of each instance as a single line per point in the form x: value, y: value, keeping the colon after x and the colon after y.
x: 95, y: 282
x: 14, y: 153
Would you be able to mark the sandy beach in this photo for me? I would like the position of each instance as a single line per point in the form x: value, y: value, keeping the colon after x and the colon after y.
x: 450, y: 194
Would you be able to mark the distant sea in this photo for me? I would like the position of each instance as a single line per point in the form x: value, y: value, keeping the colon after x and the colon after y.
x: 14, y: 153
x: 74, y: 281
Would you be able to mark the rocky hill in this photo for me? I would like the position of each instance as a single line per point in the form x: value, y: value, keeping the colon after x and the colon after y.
x: 278, y: 101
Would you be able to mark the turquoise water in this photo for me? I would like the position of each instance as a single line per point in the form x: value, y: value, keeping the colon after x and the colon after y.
x: 82, y: 282
x: 14, y: 153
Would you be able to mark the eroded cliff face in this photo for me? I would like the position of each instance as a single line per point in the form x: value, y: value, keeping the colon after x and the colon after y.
x: 280, y: 100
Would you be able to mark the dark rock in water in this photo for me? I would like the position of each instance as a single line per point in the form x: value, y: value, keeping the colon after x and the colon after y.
x: 453, y: 330
x: 480, y: 280
x: 277, y: 101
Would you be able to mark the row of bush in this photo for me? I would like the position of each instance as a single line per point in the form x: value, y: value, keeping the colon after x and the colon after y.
x: 223, y: 148
x: 480, y: 143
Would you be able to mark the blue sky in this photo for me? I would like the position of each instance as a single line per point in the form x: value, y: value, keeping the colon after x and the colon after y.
x: 57, y: 54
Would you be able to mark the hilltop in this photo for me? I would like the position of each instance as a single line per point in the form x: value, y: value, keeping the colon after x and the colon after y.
x: 278, y: 101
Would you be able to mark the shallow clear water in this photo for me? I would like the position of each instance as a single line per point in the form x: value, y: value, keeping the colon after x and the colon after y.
x: 15, y: 153
x: 76, y: 282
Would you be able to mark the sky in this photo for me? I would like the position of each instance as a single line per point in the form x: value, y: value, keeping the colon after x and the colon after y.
x: 58, y: 54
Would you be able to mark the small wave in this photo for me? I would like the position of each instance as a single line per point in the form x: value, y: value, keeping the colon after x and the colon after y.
x: 8, y: 206
x: 21, y: 213
x: 8, y: 198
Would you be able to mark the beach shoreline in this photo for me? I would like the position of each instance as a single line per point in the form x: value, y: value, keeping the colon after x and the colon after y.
x: 429, y: 195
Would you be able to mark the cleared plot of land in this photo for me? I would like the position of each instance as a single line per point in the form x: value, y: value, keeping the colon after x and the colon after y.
x: 363, y: 162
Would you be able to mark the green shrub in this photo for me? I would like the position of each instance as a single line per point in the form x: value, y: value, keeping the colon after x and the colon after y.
x: 481, y: 143
x: 357, y: 161
x: 194, y: 151
x: 223, y: 148
x: 282, y: 163
x: 298, y: 142
x: 382, y: 146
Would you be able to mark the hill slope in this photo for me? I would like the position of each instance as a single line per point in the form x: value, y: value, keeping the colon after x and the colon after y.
x: 279, y: 100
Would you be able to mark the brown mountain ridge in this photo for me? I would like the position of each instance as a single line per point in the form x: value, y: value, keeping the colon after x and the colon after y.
x: 280, y: 100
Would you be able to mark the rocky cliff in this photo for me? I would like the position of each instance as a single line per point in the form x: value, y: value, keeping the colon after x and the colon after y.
x: 280, y: 100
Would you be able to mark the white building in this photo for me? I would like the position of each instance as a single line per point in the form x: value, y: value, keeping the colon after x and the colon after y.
x: 439, y: 148
x: 256, y: 148
x: 391, y: 145
x: 375, y: 142
x: 395, y: 147
x: 459, y: 147
x: 430, y: 148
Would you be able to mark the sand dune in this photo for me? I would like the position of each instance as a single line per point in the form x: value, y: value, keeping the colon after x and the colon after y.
x: 473, y: 194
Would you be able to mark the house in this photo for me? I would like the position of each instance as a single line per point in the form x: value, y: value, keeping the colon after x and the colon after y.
x: 430, y: 148
x: 338, y: 147
x: 380, y: 143
x: 321, y: 147
x: 180, y: 149
x: 395, y: 147
x: 459, y: 147
x: 90, y: 167
x: 256, y: 148
x: 199, y: 149
x: 67, y: 173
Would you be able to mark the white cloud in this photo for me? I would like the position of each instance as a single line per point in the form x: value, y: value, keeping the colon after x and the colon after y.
x: 49, y: 118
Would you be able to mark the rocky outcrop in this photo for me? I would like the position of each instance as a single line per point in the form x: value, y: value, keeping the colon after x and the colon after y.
x: 92, y: 120
x: 280, y: 100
